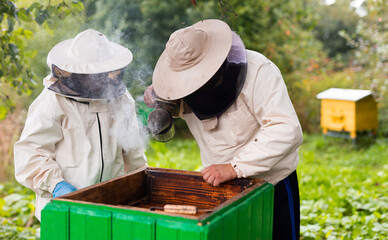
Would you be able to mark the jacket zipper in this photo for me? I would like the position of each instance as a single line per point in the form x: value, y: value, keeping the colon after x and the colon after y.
x: 102, y: 153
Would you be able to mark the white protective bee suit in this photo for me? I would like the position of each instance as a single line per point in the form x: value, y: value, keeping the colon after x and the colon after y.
x: 75, y: 135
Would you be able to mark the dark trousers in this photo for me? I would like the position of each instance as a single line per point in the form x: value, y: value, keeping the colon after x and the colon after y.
x: 286, y: 214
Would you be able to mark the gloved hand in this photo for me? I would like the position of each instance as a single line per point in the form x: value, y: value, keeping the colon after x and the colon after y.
x: 63, y: 188
x: 149, y: 97
x: 152, y: 100
x: 160, y: 121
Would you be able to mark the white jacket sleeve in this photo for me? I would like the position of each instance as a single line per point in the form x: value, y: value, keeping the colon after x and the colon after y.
x: 135, y: 160
x: 34, y: 153
x: 280, y: 132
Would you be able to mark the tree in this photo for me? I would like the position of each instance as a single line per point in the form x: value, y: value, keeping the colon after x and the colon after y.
x: 371, y: 44
x: 142, y: 26
x: 281, y: 30
x: 14, y: 68
x: 333, y: 19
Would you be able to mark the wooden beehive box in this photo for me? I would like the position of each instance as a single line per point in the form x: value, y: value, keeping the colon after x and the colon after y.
x: 348, y: 110
x: 121, y: 209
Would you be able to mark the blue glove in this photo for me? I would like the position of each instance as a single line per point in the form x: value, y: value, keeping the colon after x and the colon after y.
x: 63, y: 188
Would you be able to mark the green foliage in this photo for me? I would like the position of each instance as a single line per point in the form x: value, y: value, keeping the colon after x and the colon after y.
x: 312, y: 83
x: 371, y: 54
x: 15, y: 69
x: 142, y: 26
x: 176, y: 154
x: 334, y: 18
x: 343, y: 189
x: 278, y: 29
x: 17, y: 219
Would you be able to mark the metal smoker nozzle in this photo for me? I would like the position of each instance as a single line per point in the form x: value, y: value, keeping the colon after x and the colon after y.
x: 160, y: 125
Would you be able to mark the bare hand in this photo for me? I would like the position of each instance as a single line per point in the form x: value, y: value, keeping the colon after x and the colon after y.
x: 149, y: 97
x: 218, y: 173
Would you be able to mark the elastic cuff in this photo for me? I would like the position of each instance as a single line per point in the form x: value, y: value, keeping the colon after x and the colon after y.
x: 237, y: 170
x: 54, y: 183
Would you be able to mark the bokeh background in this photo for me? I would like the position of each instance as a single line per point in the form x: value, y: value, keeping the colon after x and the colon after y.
x: 316, y: 45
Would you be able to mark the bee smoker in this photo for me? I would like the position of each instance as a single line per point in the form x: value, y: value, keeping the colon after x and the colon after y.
x: 160, y: 122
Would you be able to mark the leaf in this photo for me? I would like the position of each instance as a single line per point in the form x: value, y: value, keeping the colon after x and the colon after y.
x: 13, y: 49
x: 35, y: 6
x: 51, y: 10
x: 27, y: 33
x: 77, y: 6
x: 41, y: 15
x: 3, y: 112
x: 11, y: 22
x: 24, y: 15
x: 12, y: 198
x: 12, y: 9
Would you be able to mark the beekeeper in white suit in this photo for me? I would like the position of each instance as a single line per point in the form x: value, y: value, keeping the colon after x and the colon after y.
x: 236, y: 105
x: 82, y: 129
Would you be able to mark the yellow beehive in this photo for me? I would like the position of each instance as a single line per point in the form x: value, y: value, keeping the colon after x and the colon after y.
x: 348, y: 110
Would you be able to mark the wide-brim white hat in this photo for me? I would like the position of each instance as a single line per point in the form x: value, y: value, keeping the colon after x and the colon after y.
x: 89, y: 52
x: 191, y: 57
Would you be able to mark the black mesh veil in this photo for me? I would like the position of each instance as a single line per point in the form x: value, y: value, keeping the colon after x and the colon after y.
x: 105, y: 85
x: 222, y: 90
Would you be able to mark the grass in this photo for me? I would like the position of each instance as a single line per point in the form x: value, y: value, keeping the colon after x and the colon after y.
x: 176, y: 154
x: 343, y: 188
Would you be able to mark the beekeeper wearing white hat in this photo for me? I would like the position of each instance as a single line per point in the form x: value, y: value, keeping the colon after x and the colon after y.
x: 236, y: 105
x: 82, y: 129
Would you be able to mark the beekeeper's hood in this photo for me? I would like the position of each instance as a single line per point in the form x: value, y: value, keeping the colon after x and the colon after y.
x: 205, y: 65
x: 88, y: 66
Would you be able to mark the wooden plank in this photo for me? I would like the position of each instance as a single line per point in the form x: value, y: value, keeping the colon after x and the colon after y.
x: 366, y: 114
x: 127, y: 227
x: 230, y: 224
x: 338, y: 115
x: 78, y: 223
x: 257, y: 215
x: 121, y: 190
x: 215, y: 229
x: 176, y: 230
x: 244, y: 220
x: 267, y: 214
x: 233, y: 200
x: 99, y: 225
x: 55, y: 222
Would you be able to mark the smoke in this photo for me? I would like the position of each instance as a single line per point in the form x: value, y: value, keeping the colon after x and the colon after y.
x: 112, y: 19
x: 130, y: 133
